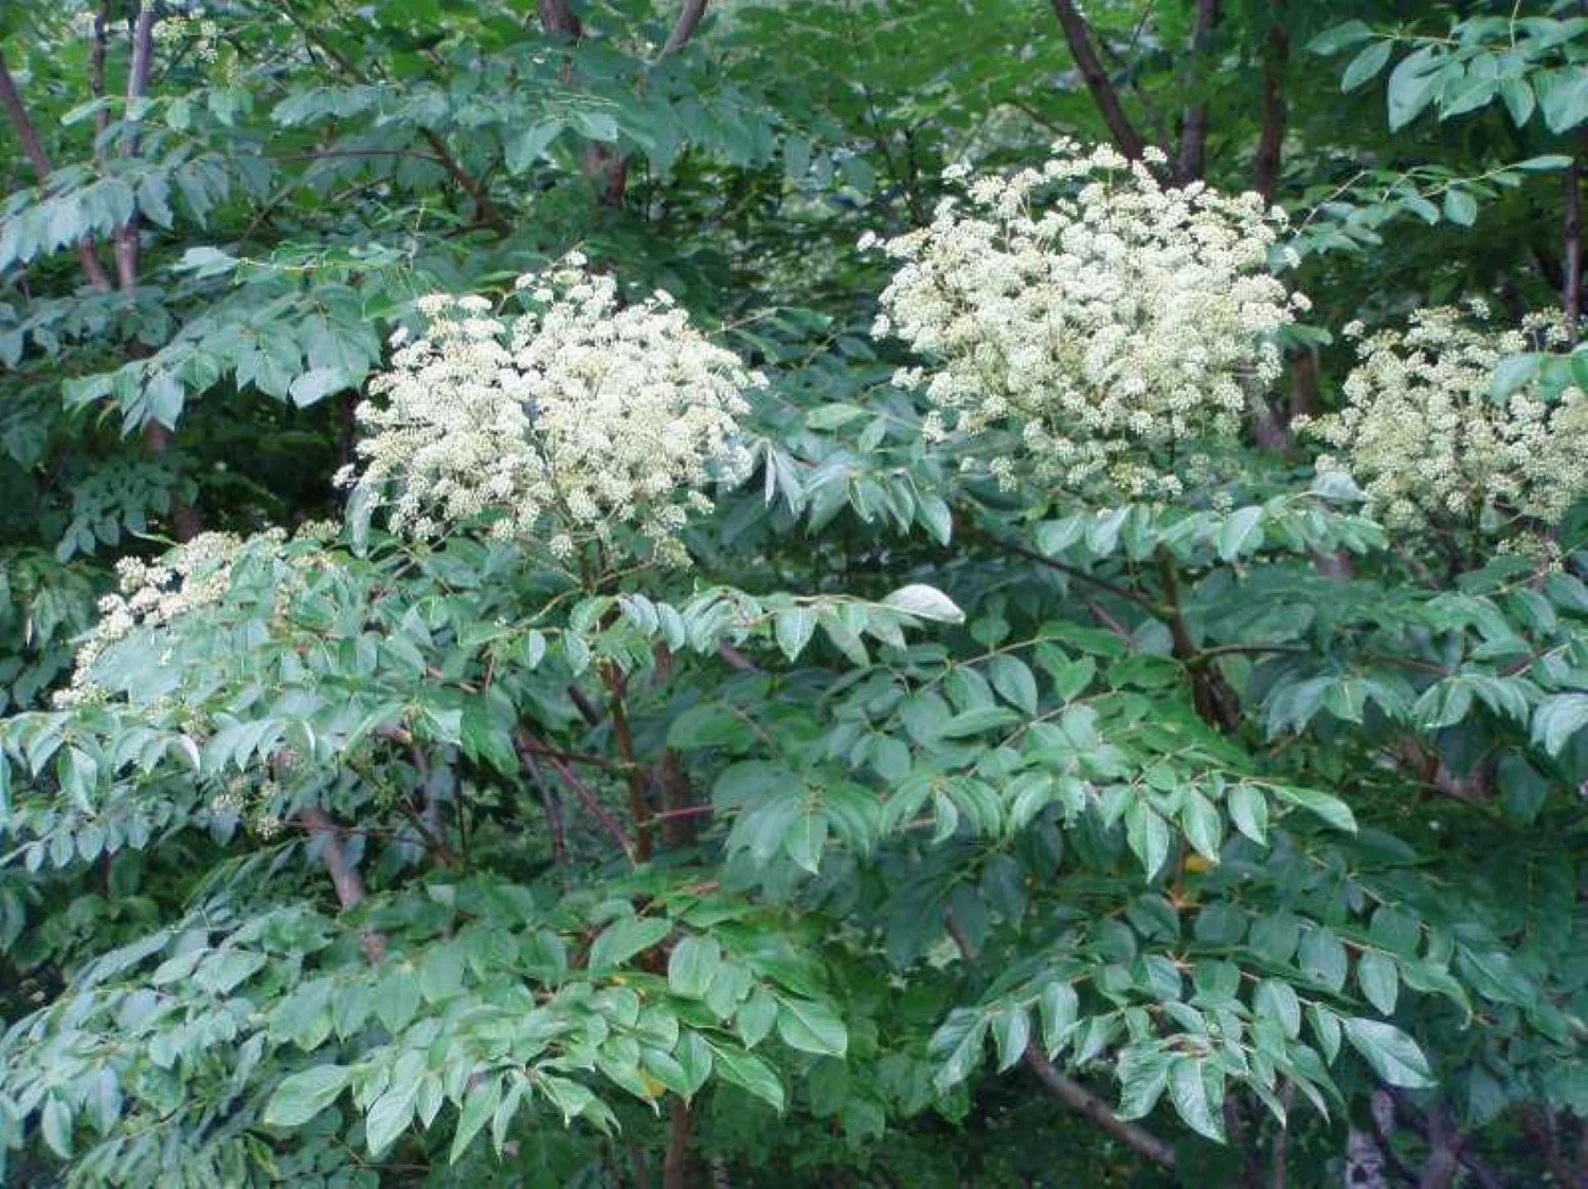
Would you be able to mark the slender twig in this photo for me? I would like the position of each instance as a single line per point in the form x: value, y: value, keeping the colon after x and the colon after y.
x: 33, y: 148
x: 551, y: 805
x: 96, y: 80
x: 485, y: 210
x: 1119, y: 592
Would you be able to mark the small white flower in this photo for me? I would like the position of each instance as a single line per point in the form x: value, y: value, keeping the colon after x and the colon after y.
x: 561, y: 423
x: 1107, y: 319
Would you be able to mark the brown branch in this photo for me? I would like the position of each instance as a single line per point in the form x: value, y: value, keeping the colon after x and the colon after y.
x: 675, y: 1165
x: 126, y: 241
x: 1276, y: 111
x: 639, y: 809
x: 688, y: 18
x: 1571, y: 281
x: 1536, y: 1126
x: 1215, y: 701
x: 525, y: 744
x: 1079, y: 36
x: 1279, y: 1162
x: 1194, y: 126
x: 427, y: 820
x: 96, y: 80
x: 551, y: 806
x: 1070, y: 1092
x: 349, y: 884
x: 1078, y: 1098
x: 558, y: 16
x: 33, y: 149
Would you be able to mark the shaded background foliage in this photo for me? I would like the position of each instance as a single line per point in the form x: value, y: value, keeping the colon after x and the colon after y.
x: 894, y: 844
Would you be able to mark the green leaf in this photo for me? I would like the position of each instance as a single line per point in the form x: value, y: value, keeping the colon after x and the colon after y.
x: 749, y: 1073
x: 397, y: 998
x: 303, y: 1096
x: 756, y: 1018
x: 624, y: 938
x: 1241, y: 533
x: 389, y: 1117
x: 1011, y: 1030
x: 692, y: 966
x: 1147, y: 835
x: 1556, y: 719
x: 1339, y: 37
x: 1511, y: 374
x: 1414, y: 82
x: 834, y: 415
x: 1323, y: 958
x: 1331, y: 809
x: 925, y: 602
x: 1461, y: 208
x: 1278, y: 1000
x: 1562, y: 97
x: 1188, y: 1091
x: 794, y: 628
x: 316, y: 384
x: 805, y: 837
x: 1202, y: 825
x: 1013, y: 680
x: 529, y: 146
x: 55, y: 1121
x: 1248, y: 809
x: 1519, y: 101
x: 1390, y: 1053
x: 1366, y: 64
x: 811, y: 1027
x: 1059, y: 1007
x: 1379, y: 979
x: 1143, y: 1077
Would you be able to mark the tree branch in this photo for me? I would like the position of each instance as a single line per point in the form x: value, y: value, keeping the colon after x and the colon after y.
x: 1571, y: 280
x: 675, y: 1165
x: 1194, y: 127
x: 1070, y: 1092
x: 527, y: 749
x: 1119, y: 592
x: 33, y: 149
x: 126, y: 245
x: 1079, y: 36
x: 688, y: 18
x: 349, y: 884
x: 1078, y: 1098
x: 1276, y: 112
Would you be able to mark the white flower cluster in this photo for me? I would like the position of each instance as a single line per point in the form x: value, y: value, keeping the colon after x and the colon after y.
x: 198, y: 35
x: 1112, y: 321
x: 564, y: 423
x: 1423, y: 437
x: 153, y: 595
